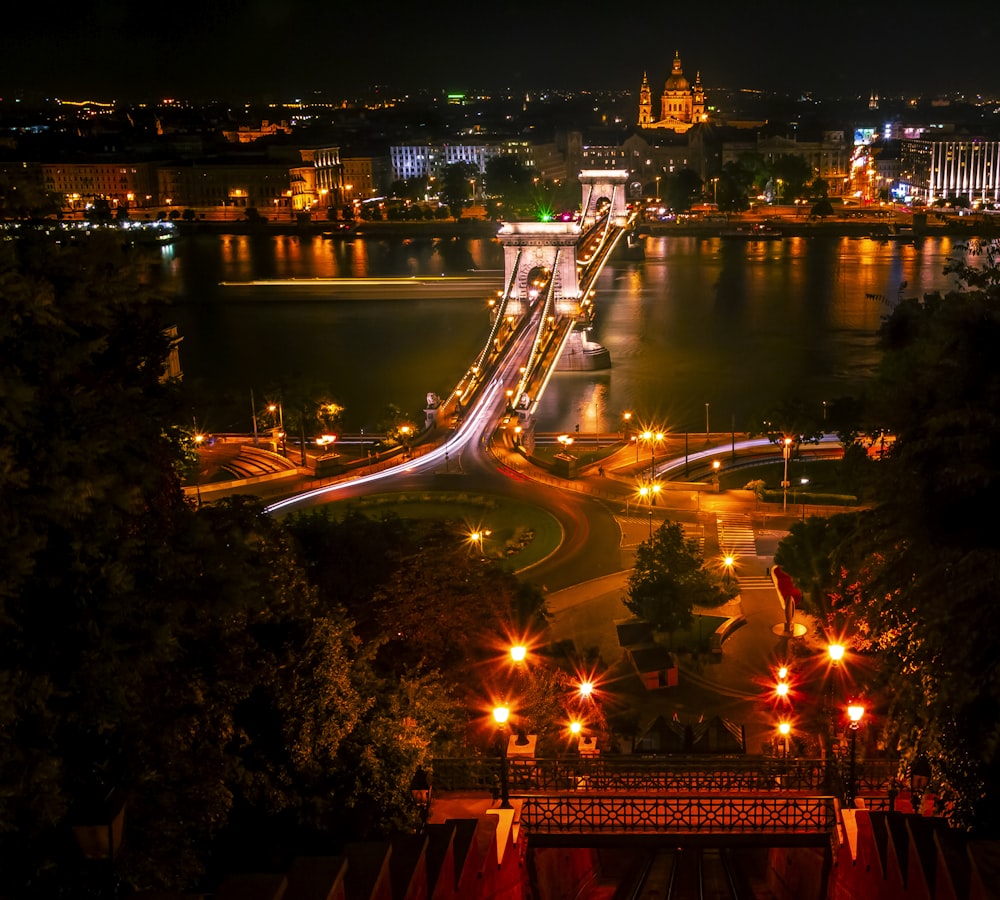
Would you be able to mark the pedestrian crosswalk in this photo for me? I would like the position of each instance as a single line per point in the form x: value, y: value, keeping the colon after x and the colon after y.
x: 736, y: 534
x: 755, y: 582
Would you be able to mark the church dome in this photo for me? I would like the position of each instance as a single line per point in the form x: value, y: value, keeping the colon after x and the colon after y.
x: 676, y: 80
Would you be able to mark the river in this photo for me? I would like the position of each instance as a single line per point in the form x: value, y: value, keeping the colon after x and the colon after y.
x: 737, y: 325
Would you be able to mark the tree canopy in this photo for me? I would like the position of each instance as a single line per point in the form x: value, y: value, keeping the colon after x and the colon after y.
x: 669, y: 579
x: 201, y: 660
x: 915, y: 576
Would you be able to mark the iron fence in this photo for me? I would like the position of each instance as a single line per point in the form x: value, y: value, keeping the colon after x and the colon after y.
x: 633, y: 774
x: 677, y: 813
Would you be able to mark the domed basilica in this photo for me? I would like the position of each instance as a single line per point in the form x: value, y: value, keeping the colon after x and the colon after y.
x: 681, y: 104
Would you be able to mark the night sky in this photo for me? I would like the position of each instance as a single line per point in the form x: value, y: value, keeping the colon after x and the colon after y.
x: 281, y: 49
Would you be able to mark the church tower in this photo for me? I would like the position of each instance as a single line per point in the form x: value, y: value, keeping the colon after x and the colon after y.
x: 698, y: 113
x: 645, y: 102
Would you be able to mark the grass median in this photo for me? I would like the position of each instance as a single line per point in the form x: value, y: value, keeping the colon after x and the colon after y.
x: 518, y: 534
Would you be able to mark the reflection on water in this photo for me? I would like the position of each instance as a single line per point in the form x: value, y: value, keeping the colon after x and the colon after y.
x: 733, y: 324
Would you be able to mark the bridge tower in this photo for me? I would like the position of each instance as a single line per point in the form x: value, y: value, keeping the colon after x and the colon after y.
x: 531, y: 249
x: 601, y: 186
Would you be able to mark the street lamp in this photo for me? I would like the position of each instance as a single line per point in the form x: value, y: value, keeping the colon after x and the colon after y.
x: 855, y: 712
x: 786, y: 451
x: 784, y: 729
x: 781, y: 688
x: 404, y: 431
x: 728, y: 561
x: 199, y: 439
x: 477, y: 537
x: 649, y: 492
x: 273, y: 408
x: 420, y: 791
x: 627, y: 419
x: 500, y: 716
x: 652, y: 438
x: 518, y: 653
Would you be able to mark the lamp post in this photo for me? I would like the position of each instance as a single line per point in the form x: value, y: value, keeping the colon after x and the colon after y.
x: 199, y: 439
x: 627, y: 419
x: 420, y: 791
x: 477, y: 537
x: 786, y: 451
x: 648, y: 492
x: 784, y: 729
x: 855, y: 712
x: 728, y: 561
x: 652, y: 438
x: 920, y: 776
x: 781, y: 688
x: 500, y: 716
x: 273, y: 408
x: 404, y: 431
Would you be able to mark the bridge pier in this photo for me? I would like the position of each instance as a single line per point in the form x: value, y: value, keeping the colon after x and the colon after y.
x: 582, y: 355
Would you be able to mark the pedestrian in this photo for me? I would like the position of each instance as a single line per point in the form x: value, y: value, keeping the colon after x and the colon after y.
x: 600, y: 471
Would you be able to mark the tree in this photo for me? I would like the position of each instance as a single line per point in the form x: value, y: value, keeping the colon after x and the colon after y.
x: 188, y: 659
x: 918, y: 571
x: 822, y: 208
x: 507, y: 178
x: 670, y: 578
x: 792, y: 418
x: 792, y: 173
x: 682, y: 189
x: 454, y: 186
x: 808, y: 555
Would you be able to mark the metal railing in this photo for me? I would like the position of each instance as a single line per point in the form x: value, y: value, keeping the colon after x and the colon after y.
x: 633, y: 774
x: 676, y: 814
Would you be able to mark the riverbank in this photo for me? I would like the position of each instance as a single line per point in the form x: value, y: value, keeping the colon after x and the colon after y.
x: 876, y: 229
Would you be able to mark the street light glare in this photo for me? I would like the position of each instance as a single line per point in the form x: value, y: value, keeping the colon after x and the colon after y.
x: 836, y: 652
x: 855, y: 712
x: 586, y: 688
x: 518, y: 653
x: 501, y: 714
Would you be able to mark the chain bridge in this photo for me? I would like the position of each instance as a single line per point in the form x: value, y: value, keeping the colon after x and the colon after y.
x: 540, y: 318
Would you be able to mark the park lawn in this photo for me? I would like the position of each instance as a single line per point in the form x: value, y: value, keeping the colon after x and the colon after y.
x: 519, y: 534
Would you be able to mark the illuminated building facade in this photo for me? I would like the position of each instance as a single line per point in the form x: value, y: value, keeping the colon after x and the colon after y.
x: 132, y: 185
x: 413, y: 161
x: 681, y: 103
x: 948, y: 168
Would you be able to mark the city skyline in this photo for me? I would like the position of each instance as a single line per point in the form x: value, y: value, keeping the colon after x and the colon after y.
x: 112, y: 49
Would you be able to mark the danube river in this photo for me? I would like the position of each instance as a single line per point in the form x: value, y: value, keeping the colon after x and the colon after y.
x: 737, y: 325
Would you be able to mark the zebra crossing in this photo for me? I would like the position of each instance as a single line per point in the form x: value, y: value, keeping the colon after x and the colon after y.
x: 736, y: 534
x: 755, y: 582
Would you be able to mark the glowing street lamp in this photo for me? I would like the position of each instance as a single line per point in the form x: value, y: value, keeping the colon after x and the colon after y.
x: 652, y: 438
x: 855, y: 713
x: 785, y: 729
x: 199, y: 439
x: 518, y: 653
x: 728, y: 561
x: 477, y: 537
x: 649, y: 493
x: 786, y: 451
x: 501, y: 714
